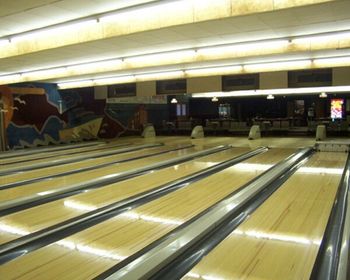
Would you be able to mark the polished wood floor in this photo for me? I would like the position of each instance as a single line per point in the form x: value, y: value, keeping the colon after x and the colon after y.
x: 279, y: 241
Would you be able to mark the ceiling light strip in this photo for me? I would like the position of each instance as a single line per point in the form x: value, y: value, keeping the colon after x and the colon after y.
x: 180, y: 73
x: 180, y: 54
x: 94, y: 18
x: 274, y: 92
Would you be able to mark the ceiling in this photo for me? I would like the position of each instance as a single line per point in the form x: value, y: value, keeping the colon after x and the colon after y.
x: 22, y: 15
x: 310, y: 19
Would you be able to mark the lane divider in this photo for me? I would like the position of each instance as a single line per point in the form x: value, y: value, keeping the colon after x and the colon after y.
x: 33, y: 241
x: 32, y: 151
x: 93, y: 149
x: 154, y: 258
x: 14, y: 169
x: 332, y: 261
x: 94, y: 167
x: 19, y: 204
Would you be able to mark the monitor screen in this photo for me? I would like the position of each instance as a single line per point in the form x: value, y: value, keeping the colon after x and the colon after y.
x: 337, y: 108
x: 224, y: 110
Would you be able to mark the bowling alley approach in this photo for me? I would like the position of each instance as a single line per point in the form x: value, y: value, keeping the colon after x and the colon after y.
x: 175, y: 139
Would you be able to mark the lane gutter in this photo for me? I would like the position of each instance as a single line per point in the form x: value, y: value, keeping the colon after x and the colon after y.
x: 15, y: 205
x: 34, y: 241
x: 332, y: 261
x: 74, y: 171
x: 151, y: 260
x: 14, y: 170
x: 94, y: 149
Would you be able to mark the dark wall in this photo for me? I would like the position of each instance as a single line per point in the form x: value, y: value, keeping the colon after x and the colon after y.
x: 247, y: 108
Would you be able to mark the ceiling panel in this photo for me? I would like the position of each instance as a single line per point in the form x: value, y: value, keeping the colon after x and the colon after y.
x: 22, y: 15
x: 300, y: 55
x: 11, y: 7
x: 290, y: 22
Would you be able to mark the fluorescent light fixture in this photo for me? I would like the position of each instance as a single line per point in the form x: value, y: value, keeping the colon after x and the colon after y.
x: 323, y: 95
x: 270, y: 97
x: 332, y: 62
x: 105, y: 65
x: 214, y: 99
x: 275, y: 66
x: 180, y: 56
x: 9, y: 79
x: 224, y: 70
x: 114, y: 80
x: 173, y: 101
x: 160, y: 75
x: 147, y: 8
x: 160, y: 58
x: 322, y: 38
x: 4, y: 42
x: 266, y: 92
x: 44, y: 74
x: 215, y: 70
x: 231, y: 49
x: 53, y: 30
x: 76, y: 84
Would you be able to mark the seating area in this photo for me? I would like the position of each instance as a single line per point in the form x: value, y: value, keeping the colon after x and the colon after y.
x: 268, y: 126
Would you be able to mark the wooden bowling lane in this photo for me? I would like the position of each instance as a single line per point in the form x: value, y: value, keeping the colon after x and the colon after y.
x: 66, y: 181
x: 43, y: 149
x: 48, y: 154
x: 282, y: 237
x: 62, y: 159
x: 130, y: 141
x: 121, y: 142
x: 59, y: 169
x: 31, y: 220
x: 88, y: 253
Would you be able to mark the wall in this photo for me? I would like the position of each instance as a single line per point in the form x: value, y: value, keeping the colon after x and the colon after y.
x: 270, y: 80
x: 56, y: 117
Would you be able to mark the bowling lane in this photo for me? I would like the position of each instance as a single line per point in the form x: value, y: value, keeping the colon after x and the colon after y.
x: 57, y: 159
x: 90, y: 252
x: 43, y: 149
x: 282, y: 237
x: 59, y: 169
x: 48, y: 154
x: 32, y: 220
x: 68, y: 180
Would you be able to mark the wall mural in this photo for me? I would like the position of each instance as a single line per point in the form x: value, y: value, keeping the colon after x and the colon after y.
x: 74, y: 115
x: 57, y: 117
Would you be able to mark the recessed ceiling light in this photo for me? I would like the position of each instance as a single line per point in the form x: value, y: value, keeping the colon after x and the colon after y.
x: 323, y: 95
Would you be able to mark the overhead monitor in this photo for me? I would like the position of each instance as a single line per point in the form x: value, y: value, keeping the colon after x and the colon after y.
x: 337, y: 108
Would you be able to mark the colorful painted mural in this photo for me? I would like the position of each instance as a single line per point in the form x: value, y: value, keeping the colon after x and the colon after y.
x: 55, y: 117
x: 74, y: 115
